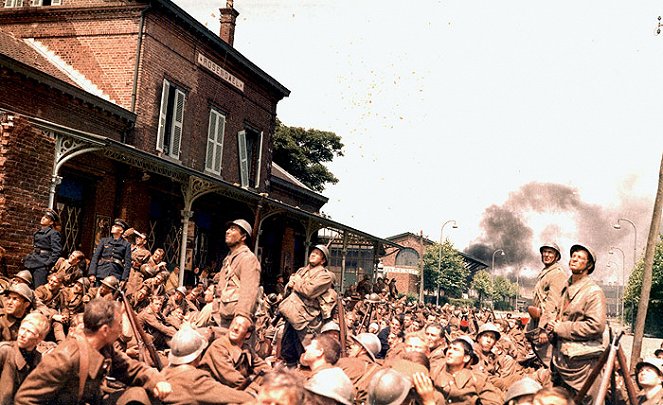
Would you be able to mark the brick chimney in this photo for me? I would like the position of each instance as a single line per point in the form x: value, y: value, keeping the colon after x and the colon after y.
x: 228, y: 22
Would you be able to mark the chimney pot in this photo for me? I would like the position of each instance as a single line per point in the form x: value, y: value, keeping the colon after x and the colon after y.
x: 228, y: 22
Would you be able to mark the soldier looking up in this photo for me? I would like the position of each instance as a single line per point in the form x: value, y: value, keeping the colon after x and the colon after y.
x: 112, y: 257
x: 47, y: 244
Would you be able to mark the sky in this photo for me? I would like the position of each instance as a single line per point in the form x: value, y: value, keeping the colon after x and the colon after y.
x: 548, y: 113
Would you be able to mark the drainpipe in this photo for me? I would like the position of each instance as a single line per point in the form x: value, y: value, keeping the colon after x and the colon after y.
x: 134, y: 90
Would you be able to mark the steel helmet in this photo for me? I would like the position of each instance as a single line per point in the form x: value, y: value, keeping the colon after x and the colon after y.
x: 324, y: 251
x: 525, y: 386
x: 474, y: 359
x: 84, y: 282
x: 554, y: 246
x: 590, y: 251
x: 185, y: 346
x: 111, y: 282
x: 24, y: 275
x: 332, y: 383
x: 388, y: 387
x: 489, y: 327
x: 330, y: 326
x: 369, y: 342
x: 244, y: 225
x: 22, y: 290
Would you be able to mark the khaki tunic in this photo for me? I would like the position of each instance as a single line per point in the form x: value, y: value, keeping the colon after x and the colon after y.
x: 238, y: 285
x: 466, y: 387
x: 192, y: 386
x: 232, y: 365
x: 582, y: 320
x: 360, y: 370
x: 56, y: 378
x: 14, y: 370
x: 9, y: 327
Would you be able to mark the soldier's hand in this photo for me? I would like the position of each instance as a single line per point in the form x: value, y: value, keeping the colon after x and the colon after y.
x: 424, y: 386
x: 543, y: 338
x: 162, y: 389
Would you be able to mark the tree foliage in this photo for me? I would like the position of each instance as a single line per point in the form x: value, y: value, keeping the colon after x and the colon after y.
x: 633, y: 290
x: 452, y: 277
x: 482, y: 284
x: 302, y: 153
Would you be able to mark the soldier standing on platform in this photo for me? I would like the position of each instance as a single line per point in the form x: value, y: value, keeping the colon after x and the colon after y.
x: 239, y: 277
x: 47, y: 243
x: 112, y: 257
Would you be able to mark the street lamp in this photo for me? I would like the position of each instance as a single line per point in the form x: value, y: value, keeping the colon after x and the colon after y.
x: 439, y: 259
x: 621, y: 289
x: 501, y: 252
x: 635, y: 244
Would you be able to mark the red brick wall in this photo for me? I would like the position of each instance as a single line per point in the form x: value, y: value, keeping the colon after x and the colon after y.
x: 26, y: 160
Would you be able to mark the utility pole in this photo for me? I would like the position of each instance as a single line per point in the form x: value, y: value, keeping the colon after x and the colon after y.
x: 652, y: 240
x: 421, y: 267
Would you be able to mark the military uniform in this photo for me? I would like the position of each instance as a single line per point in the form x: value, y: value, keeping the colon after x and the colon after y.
x: 139, y: 257
x: 360, y: 370
x: 16, y: 365
x: 47, y: 244
x: 67, y: 273
x: 232, y: 365
x: 579, y: 333
x: 112, y: 257
x: 56, y: 378
x: 155, y: 325
x: 466, y: 387
x: 192, y: 386
x: 237, y: 290
x: 9, y: 327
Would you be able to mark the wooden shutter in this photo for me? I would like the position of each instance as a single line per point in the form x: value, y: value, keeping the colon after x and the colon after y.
x: 211, y: 140
x: 259, y: 162
x: 218, y: 152
x: 163, y: 112
x: 243, y: 160
x: 178, y: 119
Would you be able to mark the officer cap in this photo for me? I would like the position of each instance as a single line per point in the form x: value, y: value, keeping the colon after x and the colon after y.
x: 551, y: 245
x: 24, y: 275
x: 489, y: 327
x: 111, y: 282
x: 244, y: 225
x: 370, y: 342
x: 388, y: 387
x: 525, y: 386
x: 332, y: 383
x: 52, y: 214
x: 121, y: 223
x: 22, y: 290
x: 324, y: 251
x: 185, y: 346
x: 590, y: 251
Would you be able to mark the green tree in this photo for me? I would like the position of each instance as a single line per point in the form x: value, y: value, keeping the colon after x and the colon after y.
x: 654, y: 323
x: 482, y: 284
x: 302, y: 153
x: 452, y: 279
x: 503, y: 291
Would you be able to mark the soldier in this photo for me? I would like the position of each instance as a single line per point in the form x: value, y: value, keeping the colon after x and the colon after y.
x: 106, y: 289
x: 458, y: 383
x: 47, y: 243
x: 387, y: 387
x: 153, y: 322
x: 239, y: 277
x: 330, y: 386
x: 154, y: 265
x: 323, y: 352
x: 282, y: 387
x: 522, y: 392
x: 360, y: 365
x: 52, y: 297
x: 17, y: 301
x: 67, y: 269
x: 112, y: 257
x: 190, y: 384
x: 301, y: 309
x: 434, y: 333
x: 19, y: 358
x: 649, y: 376
x: 365, y: 287
x: 547, y: 296
x: 22, y: 277
x: 74, y: 371
x: 232, y: 361
x: 139, y: 256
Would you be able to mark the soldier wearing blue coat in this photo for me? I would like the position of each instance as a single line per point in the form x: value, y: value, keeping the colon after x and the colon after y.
x: 112, y: 257
x: 47, y: 244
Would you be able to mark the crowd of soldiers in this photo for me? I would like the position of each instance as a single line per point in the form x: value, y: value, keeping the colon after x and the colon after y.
x: 122, y: 329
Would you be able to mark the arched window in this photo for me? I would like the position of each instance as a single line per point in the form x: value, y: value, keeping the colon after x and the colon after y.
x: 407, y: 257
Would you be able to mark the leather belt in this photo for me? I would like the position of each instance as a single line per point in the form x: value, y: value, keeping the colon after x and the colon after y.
x: 116, y: 261
x: 40, y: 251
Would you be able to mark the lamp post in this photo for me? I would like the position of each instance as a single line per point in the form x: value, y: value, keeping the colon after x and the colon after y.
x: 502, y: 253
x: 610, y: 265
x: 621, y: 290
x: 439, y: 258
x: 635, y: 244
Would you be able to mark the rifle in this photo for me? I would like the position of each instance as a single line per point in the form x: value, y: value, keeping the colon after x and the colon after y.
x: 141, y: 337
x: 341, y: 323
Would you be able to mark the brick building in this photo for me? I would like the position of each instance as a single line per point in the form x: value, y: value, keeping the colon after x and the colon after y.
x: 403, y: 262
x: 133, y: 109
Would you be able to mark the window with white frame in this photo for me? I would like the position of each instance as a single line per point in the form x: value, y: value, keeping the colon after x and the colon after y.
x: 33, y: 3
x: 215, y: 131
x: 171, y: 118
x: 13, y: 3
x: 249, y: 143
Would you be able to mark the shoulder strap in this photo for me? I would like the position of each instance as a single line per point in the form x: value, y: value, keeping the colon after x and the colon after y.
x: 84, y: 363
x: 368, y: 373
